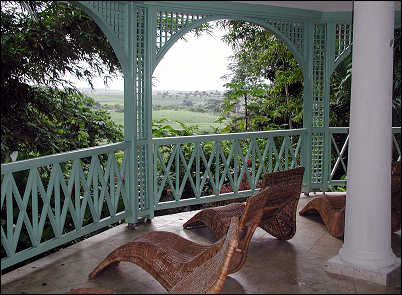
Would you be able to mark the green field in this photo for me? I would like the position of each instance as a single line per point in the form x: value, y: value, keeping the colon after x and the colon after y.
x: 109, y: 99
x: 205, y: 121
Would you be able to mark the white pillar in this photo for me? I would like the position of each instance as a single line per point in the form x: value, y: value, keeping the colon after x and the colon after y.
x: 367, y: 239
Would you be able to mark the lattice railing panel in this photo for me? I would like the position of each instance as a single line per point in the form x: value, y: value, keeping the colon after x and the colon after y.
x: 317, y: 157
x: 168, y: 23
x: 292, y: 30
x: 319, y: 54
x: 339, y: 152
x: 194, y: 168
x: 140, y: 73
x: 344, y: 38
x: 318, y: 114
x: 141, y: 178
x: 318, y: 103
x: 60, y: 198
x: 141, y: 168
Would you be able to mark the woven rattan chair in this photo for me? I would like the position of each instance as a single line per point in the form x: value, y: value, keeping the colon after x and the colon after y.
x: 332, y: 208
x: 282, y: 190
x: 179, y: 265
x: 279, y: 217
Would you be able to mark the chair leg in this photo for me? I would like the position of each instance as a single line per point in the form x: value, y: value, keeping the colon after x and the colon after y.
x: 283, y: 224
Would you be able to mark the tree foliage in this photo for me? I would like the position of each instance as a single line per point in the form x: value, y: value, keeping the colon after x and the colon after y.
x: 267, y: 81
x: 264, y: 77
x: 41, y: 112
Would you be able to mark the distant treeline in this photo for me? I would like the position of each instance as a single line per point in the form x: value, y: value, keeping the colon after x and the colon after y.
x: 195, y: 101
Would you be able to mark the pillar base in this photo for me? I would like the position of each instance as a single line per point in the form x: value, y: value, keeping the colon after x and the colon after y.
x: 386, y: 276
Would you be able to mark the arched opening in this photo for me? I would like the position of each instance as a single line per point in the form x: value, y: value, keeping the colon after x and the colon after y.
x: 281, y: 70
x: 254, y: 101
x: 187, y: 84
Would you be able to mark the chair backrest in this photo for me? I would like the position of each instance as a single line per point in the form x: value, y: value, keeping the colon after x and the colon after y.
x: 210, y: 276
x: 249, y: 221
x: 254, y: 209
x: 285, y: 186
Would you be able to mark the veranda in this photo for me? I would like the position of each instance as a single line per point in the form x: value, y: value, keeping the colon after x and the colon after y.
x: 99, y: 190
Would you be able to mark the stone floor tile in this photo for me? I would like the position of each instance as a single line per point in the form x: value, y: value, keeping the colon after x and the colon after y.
x: 272, y: 266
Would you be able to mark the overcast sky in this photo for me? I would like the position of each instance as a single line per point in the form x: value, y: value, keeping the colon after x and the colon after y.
x: 195, y: 64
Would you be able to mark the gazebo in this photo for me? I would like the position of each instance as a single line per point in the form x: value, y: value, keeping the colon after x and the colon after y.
x: 320, y: 35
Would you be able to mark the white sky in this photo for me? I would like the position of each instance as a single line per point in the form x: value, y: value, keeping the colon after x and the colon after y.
x: 195, y: 64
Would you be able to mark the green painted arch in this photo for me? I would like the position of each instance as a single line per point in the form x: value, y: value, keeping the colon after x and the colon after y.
x: 178, y: 35
x: 114, y: 42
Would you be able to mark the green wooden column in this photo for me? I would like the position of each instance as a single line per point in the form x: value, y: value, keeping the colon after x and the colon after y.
x: 150, y: 53
x: 318, y: 65
x: 139, y: 114
x: 130, y: 110
x: 329, y: 67
x: 307, y: 103
x: 319, y: 105
x: 119, y: 21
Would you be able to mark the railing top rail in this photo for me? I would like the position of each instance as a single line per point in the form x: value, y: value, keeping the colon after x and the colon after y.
x: 346, y: 129
x: 61, y: 157
x: 338, y: 129
x: 227, y: 136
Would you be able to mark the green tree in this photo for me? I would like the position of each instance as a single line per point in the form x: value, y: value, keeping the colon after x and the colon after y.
x: 41, y: 112
x: 261, y: 62
x: 265, y: 76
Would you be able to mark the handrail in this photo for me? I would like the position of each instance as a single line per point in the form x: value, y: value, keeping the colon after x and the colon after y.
x: 61, y: 157
x: 346, y: 129
x: 227, y: 136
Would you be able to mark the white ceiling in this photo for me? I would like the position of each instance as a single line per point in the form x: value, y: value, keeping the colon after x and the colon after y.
x: 324, y: 6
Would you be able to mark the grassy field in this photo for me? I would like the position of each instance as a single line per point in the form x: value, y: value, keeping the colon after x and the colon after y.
x: 157, y: 99
x: 109, y: 99
x: 205, y: 121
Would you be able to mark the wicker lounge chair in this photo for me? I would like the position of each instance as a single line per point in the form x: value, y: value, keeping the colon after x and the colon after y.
x: 332, y: 212
x: 179, y: 265
x: 332, y: 208
x: 278, y: 213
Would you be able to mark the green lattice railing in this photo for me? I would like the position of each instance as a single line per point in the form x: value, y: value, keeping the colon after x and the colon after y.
x: 198, y: 169
x: 51, y: 200
x: 88, y: 187
x: 339, y: 148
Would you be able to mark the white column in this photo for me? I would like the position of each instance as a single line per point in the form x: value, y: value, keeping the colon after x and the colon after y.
x: 367, y: 239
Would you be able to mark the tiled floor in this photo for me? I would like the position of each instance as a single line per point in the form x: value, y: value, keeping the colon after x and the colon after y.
x: 272, y: 266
